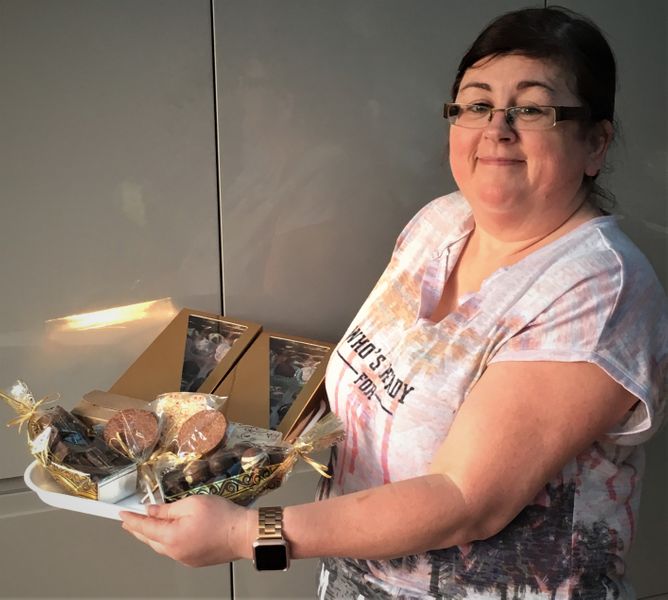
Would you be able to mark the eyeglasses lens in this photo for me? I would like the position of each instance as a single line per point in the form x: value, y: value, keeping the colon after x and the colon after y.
x: 477, y: 116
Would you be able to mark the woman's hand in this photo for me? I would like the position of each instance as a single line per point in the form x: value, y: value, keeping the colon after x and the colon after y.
x: 197, y: 531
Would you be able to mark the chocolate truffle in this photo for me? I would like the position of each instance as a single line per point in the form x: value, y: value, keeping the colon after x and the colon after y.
x: 196, y: 473
x: 253, y: 458
x: 276, y: 457
x: 174, y: 483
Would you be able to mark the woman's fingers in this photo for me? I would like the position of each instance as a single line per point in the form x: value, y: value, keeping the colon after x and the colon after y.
x: 158, y: 534
x: 166, y: 511
x: 195, y: 531
x: 152, y: 528
x: 180, y: 508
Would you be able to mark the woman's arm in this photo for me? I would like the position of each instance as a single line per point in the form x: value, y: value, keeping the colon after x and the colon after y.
x: 517, y: 428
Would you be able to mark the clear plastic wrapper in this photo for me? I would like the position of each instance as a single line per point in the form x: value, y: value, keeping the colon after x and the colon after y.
x: 179, y: 446
x: 134, y: 433
x: 175, y: 408
x: 68, y: 449
x: 247, y: 463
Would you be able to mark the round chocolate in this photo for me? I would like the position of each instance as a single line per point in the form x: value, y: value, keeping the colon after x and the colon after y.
x: 253, y: 458
x: 202, y: 432
x: 220, y: 461
x: 134, y: 429
x: 276, y: 457
x: 234, y: 469
x: 174, y: 483
x: 196, y: 472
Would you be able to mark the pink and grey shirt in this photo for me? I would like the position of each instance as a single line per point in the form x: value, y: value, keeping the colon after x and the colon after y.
x: 397, y: 380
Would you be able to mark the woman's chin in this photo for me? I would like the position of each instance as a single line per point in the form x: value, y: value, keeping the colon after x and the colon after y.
x: 496, y: 200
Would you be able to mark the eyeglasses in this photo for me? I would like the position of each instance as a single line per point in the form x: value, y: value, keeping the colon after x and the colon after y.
x: 531, y: 118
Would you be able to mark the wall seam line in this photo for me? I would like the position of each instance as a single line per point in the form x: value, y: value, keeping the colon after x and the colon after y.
x: 219, y: 197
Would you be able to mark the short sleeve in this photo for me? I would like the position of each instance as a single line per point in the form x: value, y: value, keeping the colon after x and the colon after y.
x: 436, y: 224
x: 610, y: 316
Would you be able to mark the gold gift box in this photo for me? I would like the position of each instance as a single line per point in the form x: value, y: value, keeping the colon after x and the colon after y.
x: 119, y: 484
x: 98, y: 407
x: 278, y: 383
x: 246, y: 374
x: 193, y: 353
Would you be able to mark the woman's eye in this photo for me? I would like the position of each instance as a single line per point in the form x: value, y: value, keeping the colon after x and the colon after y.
x: 478, y: 109
x: 529, y: 111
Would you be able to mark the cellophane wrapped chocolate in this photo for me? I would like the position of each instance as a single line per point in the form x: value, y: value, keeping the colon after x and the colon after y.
x: 242, y: 464
x: 82, y: 462
x: 180, y: 445
x: 134, y: 433
x: 176, y: 408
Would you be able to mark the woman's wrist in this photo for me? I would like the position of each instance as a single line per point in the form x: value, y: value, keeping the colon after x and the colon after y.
x: 247, y: 534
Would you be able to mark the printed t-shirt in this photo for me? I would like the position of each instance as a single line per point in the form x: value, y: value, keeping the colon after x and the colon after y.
x: 397, y: 380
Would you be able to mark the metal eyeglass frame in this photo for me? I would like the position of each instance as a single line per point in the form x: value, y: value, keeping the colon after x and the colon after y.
x: 561, y: 113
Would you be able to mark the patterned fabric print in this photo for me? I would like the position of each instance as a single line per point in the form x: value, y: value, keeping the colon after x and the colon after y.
x: 345, y: 578
x: 397, y: 381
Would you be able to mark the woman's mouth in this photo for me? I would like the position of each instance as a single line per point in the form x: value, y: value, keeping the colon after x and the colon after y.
x: 499, y: 161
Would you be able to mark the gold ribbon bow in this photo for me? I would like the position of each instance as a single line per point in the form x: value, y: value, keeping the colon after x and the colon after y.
x: 325, y: 433
x: 29, y: 412
x: 118, y: 444
x: 319, y: 467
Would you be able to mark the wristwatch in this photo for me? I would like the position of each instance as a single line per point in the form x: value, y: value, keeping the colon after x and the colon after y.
x: 271, y: 551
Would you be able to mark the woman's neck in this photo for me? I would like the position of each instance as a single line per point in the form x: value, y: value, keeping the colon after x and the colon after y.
x: 492, y: 241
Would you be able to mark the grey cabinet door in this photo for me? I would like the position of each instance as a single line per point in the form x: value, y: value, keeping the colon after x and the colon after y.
x: 108, y: 199
x: 108, y: 188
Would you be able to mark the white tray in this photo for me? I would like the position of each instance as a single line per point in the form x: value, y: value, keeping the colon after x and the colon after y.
x: 50, y: 492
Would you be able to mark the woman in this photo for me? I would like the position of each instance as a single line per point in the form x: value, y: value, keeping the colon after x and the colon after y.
x: 498, y: 381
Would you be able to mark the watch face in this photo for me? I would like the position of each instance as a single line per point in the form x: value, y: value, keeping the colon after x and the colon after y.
x: 272, y: 557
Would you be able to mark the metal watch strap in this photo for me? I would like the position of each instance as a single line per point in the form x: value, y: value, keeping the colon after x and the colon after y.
x: 270, y: 522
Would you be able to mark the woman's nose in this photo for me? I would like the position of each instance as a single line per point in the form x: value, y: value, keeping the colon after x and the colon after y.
x: 498, y: 127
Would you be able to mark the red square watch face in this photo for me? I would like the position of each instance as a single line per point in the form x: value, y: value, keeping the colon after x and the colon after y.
x: 273, y: 557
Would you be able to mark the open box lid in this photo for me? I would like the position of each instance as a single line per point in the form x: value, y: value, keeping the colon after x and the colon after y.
x: 277, y: 383
x: 193, y: 353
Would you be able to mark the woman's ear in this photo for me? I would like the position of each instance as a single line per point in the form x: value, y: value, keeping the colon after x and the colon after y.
x: 599, y: 139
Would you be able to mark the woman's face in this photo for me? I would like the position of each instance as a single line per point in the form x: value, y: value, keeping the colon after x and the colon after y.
x: 522, y: 173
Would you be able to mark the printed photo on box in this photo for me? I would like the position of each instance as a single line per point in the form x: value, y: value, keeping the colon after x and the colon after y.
x: 207, y: 342
x: 291, y: 365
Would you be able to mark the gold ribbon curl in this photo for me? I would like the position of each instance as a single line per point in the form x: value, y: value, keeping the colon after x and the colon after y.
x: 327, y: 432
x: 319, y: 467
x: 27, y: 413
